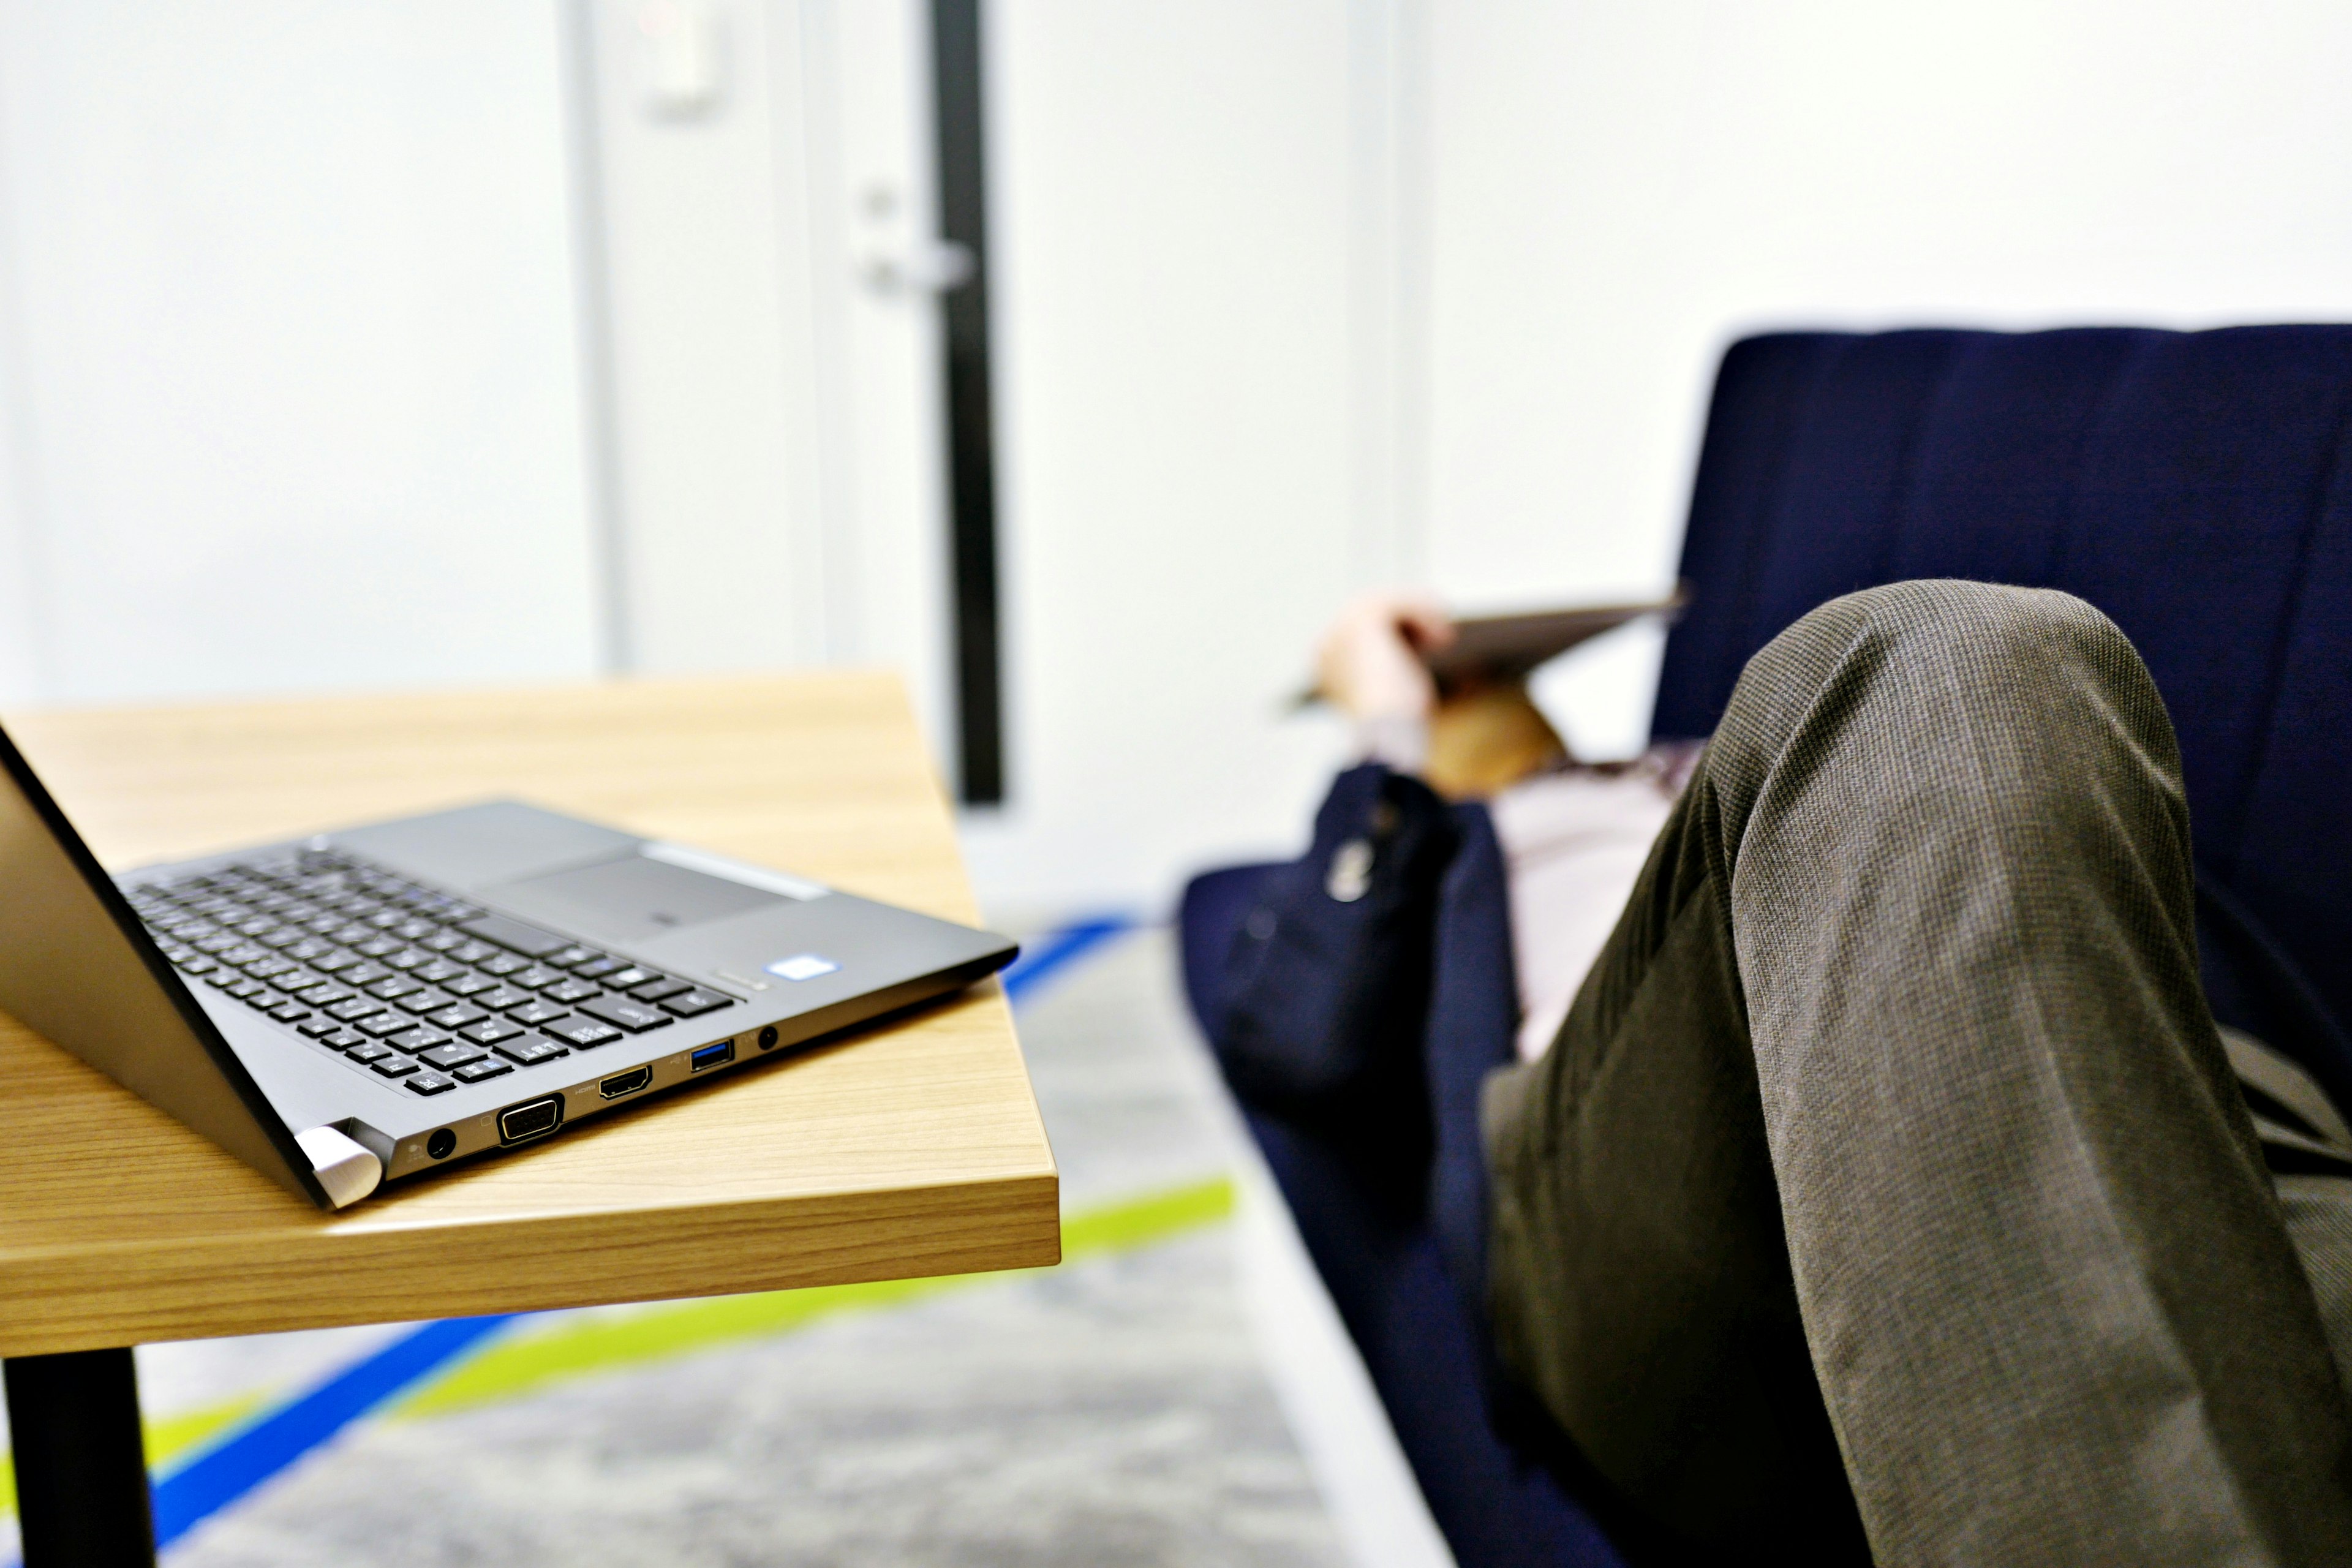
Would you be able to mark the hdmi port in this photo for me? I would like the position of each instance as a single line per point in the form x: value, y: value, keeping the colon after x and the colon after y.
x: 623, y: 1083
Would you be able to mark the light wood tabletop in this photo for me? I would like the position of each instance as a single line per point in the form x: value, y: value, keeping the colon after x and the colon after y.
x: 909, y: 1148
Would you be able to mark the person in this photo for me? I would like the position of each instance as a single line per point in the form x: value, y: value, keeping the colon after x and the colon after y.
x: 1877, y: 1176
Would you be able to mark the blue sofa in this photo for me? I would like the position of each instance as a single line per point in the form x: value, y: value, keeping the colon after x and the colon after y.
x: 2196, y: 487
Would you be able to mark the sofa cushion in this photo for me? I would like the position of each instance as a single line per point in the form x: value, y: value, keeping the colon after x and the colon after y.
x: 2194, y: 486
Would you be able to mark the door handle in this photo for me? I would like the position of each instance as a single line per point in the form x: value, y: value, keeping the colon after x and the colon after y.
x: 941, y: 267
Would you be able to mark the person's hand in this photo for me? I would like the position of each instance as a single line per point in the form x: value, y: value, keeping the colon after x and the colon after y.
x: 1369, y: 664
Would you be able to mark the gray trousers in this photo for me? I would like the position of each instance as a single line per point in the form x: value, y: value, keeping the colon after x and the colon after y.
x: 1889, y: 1182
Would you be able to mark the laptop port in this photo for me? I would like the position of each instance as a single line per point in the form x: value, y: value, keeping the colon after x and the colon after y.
x: 531, y: 1119
x: 623, y: 1083
x: 711, y: 1056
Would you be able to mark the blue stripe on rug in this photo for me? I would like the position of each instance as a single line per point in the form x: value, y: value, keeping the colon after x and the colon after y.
x: 258, y: 1453
x: 1057, y: 949
x: 220, y: 1476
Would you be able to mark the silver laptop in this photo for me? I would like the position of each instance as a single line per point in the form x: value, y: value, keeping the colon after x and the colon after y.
x: 355, y: 1008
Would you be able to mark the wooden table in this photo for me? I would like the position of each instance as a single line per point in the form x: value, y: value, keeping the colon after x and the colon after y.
x: 910, y: 1149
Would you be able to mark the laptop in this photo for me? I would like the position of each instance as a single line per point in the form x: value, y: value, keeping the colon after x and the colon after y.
x: 361, y: 1007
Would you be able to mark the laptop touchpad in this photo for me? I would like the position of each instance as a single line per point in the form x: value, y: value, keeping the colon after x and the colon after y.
x: 629, y: 899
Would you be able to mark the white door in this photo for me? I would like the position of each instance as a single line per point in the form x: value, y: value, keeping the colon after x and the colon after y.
x: 763, y: 183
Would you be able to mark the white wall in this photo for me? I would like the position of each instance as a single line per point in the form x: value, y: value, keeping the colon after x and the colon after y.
x: 1292, y: 298
x: 1619, y: 191
x: 1171, y: 230
x: 392, y: 345
x: 1305, y: 293
x: 289, y: 356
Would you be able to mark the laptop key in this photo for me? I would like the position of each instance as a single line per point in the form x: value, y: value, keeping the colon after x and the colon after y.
x: 368, y: 1051
x: 392, y: 989
x: 318, y: 1027
x: 383, y: 1024
x: 501, y: 998
x: 358, y: 1008
x: 536, y: 1013
x: 469, y: 984
x: 621, y: 980
x: 424, y: 1000
x: 289, y: 1012
x: 503, y: 964
x: 529, y: 1050
x: 430, y: 1083
x: 490, y: 1031
x: 598, y: 968
x: 342, y: 1039
x: 584, y: 1032
x: 659, y: 990
x: 451, y: 1055
x: 393, y: 1066
x: 366, y: 972
x: 440, y: 970
x: 571, y: 991
x: 695, y: 1002
x: 456, y: 1016
x: 515, y: 936
x: 632, y: 1016
x: 416, y: 1042
x: 570, y: 956
x: 474, y: 1072
x: 538, y: 977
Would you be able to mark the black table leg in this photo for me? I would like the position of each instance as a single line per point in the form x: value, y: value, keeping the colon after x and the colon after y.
x: 81, y: 1464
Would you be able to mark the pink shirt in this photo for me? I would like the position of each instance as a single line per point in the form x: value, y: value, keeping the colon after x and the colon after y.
x: 1574, y: 841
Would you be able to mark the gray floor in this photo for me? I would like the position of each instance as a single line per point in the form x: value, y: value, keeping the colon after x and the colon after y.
x: 1113, y: 1411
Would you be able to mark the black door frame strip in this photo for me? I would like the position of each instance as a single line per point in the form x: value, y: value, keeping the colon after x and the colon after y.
x: 971, y: 440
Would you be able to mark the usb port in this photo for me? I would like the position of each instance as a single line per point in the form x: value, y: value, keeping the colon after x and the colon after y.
x: 711, y: 1056
x: 531, y: 1119
x: 623, y: 1083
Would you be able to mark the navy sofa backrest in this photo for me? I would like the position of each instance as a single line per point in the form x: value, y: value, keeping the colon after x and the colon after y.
x: 2197, y: 486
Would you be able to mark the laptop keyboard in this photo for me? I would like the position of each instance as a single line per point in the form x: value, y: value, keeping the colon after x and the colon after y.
x: 401, y: 980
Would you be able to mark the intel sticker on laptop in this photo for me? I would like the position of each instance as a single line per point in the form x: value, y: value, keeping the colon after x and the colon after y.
x: 803, y: 966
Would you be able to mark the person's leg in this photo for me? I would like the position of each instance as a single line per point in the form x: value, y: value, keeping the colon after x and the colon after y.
x: 1894, y: 1108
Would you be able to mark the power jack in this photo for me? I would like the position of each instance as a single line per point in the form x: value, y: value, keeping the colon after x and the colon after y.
x: 768, y: 1039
